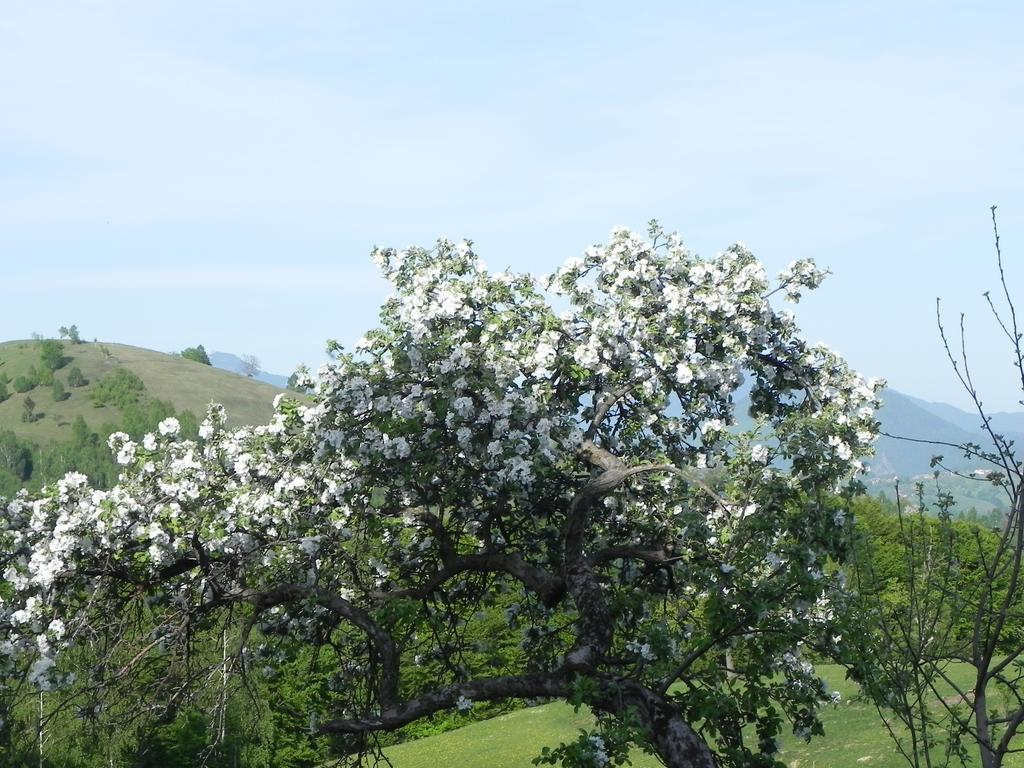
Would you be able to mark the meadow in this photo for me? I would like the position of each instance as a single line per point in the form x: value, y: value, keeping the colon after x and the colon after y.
x: 854, y: 737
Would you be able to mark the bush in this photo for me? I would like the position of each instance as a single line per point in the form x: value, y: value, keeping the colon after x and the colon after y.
x: 23, y: 384
x: 120, y: 388
x: 52, y: 353
x: 75, y: 378
x: 198, y: 354
x: 59, y: 393
x: 28, y: 413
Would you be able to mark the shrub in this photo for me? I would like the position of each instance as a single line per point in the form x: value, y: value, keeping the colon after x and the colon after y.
x: 120, y: 388
x: 52, y: 353
x: 198, y: 354
x: 28, y: 413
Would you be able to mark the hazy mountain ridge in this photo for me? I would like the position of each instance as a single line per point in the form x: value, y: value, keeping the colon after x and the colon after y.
x: 1008, y: 423
x: 226, y: 361
x: 918, y: 421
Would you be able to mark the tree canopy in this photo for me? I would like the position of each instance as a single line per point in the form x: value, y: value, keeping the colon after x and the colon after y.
x: 563, y: 449
x: 197, y: 353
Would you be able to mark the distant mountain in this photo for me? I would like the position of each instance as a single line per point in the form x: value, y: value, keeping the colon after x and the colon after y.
x: 229, y: 362
x: 911, y: 417
x: 915, y: 427
x: 907, y: 417
x: 1009, y: 424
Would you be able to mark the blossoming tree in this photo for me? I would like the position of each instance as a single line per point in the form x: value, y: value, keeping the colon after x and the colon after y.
x: 566, y: 449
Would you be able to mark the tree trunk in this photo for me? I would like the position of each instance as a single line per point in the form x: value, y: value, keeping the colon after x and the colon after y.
x: 981, y: 723
x: 672, y: 737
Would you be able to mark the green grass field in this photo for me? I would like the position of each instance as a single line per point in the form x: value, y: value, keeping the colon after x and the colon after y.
x: 187, y: 384
x: 854, y: 737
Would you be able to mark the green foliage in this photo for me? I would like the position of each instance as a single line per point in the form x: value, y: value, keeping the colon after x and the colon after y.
x: 28, y: 413
x: 51, y: 352
x: 15, y: 456
x: 4, y: 394
x: 70, y: 333
x: 121, y: 389
x: 140, y: 414
x: 198, y: 354
x: 182, y: 740
x: 59, y: 393
x: 23, y: 384
x: 85, y: 452
x: 75, y: 377
x: 172, y: 379
x: 42, y: 376
x: 920, y: 578
x: 293, y: 383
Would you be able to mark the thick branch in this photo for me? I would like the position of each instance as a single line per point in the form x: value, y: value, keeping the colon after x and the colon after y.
x: 508, y: 687
x: 631, y: 552
x: 595, y: 633
x: 550, y: 589
x: 382, y: 642
x: 671, y: 736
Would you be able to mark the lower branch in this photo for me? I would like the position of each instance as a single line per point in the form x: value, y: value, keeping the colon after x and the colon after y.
x: 551, y: 685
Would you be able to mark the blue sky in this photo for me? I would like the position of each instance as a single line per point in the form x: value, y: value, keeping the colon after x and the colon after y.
x: 217, y: 173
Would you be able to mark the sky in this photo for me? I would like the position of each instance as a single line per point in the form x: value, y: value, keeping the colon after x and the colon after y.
x: 190, y: 172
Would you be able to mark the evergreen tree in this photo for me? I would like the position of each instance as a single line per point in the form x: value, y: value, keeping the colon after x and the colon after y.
x: 28, y: 413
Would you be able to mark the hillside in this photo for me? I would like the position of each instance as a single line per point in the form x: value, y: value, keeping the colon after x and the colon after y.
x: 186, y: 384
x: 903, y: 417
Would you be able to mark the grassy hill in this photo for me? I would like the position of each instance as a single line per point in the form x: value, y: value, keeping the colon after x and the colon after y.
x: 185, y: 383
x: 854, y: 737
